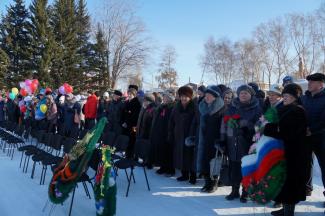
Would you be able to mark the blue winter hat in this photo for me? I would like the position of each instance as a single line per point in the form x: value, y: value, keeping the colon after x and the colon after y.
x: 140, y: 93
x: 214, y: 90
x: 287, y: 79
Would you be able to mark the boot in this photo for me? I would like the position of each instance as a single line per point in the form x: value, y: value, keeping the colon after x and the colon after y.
x: 279, y: 212
x: 213, y: 186
x: 207, y: 184
x: 277, y: 205
x: 234, y: 193
x: 183, y: 177
x: 243, y: 197
x: 192, y: 178
x: 289, y: 209
x: 170, y: 172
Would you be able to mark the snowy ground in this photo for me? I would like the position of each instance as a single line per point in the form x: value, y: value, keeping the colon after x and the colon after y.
x: 23, y: 196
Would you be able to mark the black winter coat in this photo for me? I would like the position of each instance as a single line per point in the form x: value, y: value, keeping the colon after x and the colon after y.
x: 145, y: 121
x: 131, y: 114
x: 292, y: 129
x: 178, y: 130
x: 114, y: 116
x: 161, y: 148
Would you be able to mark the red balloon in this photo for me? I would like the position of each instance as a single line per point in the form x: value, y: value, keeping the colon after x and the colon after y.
x: 23, y: 108
x: 23, y: 92
x: 68, y: 89
x: 35, y: 81
x: 65, y: 85
x: 33, y: 86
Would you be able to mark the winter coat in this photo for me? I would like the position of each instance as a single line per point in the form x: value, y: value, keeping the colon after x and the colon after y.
x: 145, y: 121
x: 161, y: 149
x: 90, y: 107
x: 52, y: 113
x: 39, y: 115
x: 68, y: 116
x: 291, y: 129
x: 239, y: 139
x: 13, y: 111
x: 315, y: 109
x: 102, y: 110
x: 2, y: 114
x: 210, y: 123
x: 178, y: 130
x: 114, y: 116
x: 131, y: 114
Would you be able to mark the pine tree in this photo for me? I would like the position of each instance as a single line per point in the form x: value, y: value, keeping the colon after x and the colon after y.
x: 43, y: 41
x: 63, y: 21
x: 16, y: 42
x: 98, y: 62
x: 4, y: 63
x: 83, y: 32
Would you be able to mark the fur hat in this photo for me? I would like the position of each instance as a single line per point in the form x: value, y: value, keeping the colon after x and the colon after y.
x: 133, y: 87
x: 316, y: 77
x: 213, y: 90
x: 118, y: 93
x: 149, y: 97
x: 293, y: 89
x: 247, y: 88
x: 185, y: 91
x: 222, y: 88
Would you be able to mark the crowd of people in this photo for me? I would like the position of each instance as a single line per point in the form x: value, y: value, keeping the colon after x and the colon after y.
x: 182, y: 129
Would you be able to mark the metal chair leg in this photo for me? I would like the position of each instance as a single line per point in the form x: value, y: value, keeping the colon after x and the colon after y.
x: 129, y: 182
x: 71, y: 204
x: 145, y: 174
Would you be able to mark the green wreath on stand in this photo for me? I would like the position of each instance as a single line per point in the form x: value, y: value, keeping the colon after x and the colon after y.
x: 105, y: 186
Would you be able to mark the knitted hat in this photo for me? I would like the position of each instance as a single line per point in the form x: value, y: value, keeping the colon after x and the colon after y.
x: 170, y: 94
x: 254, y: 86
x: 149, y: 97
x: 247, y: 88
x: 106, y: 94
x: 118, y: 93
x: 316, y: 77
x: 275, y: 88
x: 293, y: 89
x: 202, y: 88
x: 133, y: 87
x: 213, y: 90
x: 140, y: 93
x: 185, y: 91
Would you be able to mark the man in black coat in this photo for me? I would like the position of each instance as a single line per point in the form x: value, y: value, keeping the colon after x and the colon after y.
x: 130, y: 118
x: 314, y: 104
x: 114, y: 116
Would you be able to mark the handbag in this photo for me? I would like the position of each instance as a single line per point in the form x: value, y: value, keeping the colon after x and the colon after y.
x: 224, y: 177
x: 76, y: 119
x: 216, y: 163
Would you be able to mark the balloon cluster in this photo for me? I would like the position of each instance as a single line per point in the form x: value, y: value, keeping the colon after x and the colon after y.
x: 28, y: 87
x: 65, y: 89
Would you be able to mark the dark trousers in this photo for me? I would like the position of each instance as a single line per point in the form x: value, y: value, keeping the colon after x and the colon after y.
x: 317, y: 146
x: 235, y: 173
x: 89, y: 123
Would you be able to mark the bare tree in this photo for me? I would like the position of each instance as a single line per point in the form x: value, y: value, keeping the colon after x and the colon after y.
x: 167, y: 78
x: 320, y: 14
x: 125, y: 34
x: 304, y: 36
x: 219, y: 59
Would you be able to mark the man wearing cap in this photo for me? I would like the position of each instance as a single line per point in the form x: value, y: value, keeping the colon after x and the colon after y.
x: 115, y: 110
x: 314, y: 103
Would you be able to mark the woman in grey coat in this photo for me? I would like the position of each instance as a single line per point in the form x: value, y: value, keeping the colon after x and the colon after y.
x: 211, y: 111
x: 245, y: 112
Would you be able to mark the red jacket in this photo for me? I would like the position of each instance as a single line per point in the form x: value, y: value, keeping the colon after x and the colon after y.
x: 90, y: 107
